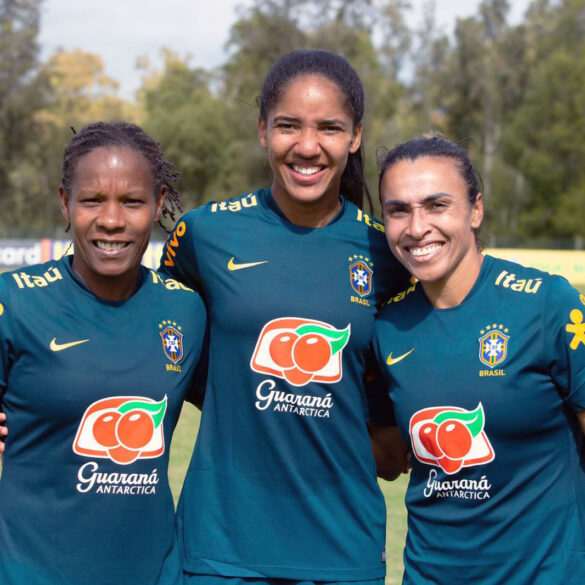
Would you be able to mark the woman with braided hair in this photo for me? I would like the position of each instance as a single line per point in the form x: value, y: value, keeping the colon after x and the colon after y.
x: 97, y: 354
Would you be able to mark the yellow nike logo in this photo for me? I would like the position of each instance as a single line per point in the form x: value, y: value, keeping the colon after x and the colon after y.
x: 61, y: 346
x: 391, y: 361
x: 233, y: 266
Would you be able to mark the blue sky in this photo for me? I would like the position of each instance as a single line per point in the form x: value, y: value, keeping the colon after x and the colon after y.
x: 121, y: 30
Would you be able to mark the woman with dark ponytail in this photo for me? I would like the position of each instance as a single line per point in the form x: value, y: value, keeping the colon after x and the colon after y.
x: 282, y: 484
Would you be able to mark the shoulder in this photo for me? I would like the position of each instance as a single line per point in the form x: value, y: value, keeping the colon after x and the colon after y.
x: 216, y: 211
x: 513, y: 280
x: 366, y: 229
x: 207, y: 220
x: 406, y: 300
x: 35, y: 277
x: 163, y: 285
x: 163, y: 291
x: 197, y: 231
x: 364, y: 222
x: 36, y: 289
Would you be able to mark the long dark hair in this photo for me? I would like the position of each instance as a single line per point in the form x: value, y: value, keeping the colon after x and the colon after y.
x: 336, y: 69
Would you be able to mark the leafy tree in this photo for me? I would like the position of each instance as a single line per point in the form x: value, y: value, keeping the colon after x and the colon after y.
x: 546, y: 140
x: 76, y: 92
x: 192, y: 125
x: 21, y: 94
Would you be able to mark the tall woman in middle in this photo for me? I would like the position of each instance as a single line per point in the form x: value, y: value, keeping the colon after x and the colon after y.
x: 282, y: 484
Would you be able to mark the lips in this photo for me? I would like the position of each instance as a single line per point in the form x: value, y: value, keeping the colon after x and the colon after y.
x: 420, y: 251
x: 306, y: 174
x: 307, y: 171
x: 108, y: 246
x: 423, y: 254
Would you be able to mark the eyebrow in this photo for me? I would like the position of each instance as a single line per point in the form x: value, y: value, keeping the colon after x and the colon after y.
x: 427, y: 199
x: 328, y: 122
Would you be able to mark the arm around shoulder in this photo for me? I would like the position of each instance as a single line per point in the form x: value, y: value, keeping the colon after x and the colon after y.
x: 390, y: 451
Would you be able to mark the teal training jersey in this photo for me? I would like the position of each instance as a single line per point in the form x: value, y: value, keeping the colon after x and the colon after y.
x: 283, y: 481
x: 486, y: 394
x: 92, y: 390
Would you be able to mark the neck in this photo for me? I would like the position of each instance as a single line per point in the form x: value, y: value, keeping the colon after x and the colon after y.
x: 115, y: 288
x: 451, y: 291
x: 312, y: 214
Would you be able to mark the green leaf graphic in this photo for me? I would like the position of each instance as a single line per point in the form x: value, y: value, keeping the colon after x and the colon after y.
x: 473, y: 420
x: 155, y: 409
x: 337, y: 338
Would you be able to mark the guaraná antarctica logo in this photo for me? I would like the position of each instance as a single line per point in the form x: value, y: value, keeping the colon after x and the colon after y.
x: 450, y: 437
x: 122, y: 429
x: 300, y: 351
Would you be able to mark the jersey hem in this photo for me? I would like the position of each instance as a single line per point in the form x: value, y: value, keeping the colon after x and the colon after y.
x: 290, y: 573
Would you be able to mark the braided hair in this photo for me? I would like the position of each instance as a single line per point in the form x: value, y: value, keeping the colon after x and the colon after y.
x: 99, y: 134
x: 336, y: 69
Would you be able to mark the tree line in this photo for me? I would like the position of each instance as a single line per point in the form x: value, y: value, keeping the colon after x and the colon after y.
x: 512, y: 95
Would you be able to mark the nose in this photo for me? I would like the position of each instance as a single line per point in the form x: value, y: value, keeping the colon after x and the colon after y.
x: 111, y: 217
x: 418, y: 225
x: 308, y: 143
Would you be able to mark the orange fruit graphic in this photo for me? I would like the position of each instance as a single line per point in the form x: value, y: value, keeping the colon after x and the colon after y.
x: 450, y: 465
x: 281, y: 349
x: 454, y: 439
x: 428, y: 438
x: 311, y: 352
x: 135, y: 429
x: 104, y: 429
x: 122, y: 455
x: 296, y: 376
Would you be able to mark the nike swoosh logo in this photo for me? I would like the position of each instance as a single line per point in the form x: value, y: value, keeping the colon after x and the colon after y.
x: 391, y: 361
x: 61, y: 346
x: 233, y: 266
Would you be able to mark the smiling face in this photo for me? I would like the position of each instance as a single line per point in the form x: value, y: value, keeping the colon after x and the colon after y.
x: 309, y: 134
x: 429, y: 225
x: 111, y: 208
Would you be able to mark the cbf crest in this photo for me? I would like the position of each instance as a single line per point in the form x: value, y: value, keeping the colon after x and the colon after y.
x: 172, y: 340
x: 360, y: 274
x: 493, y: 345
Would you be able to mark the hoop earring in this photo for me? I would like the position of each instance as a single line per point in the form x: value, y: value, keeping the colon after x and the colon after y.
x: 68, y: 228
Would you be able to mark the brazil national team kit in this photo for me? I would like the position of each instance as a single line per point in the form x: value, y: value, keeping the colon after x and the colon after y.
x: 92, y: 390
x: 486, y: 394
x: 282, y: 483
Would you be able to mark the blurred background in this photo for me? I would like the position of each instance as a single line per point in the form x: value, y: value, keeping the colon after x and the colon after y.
x: 505, y: 81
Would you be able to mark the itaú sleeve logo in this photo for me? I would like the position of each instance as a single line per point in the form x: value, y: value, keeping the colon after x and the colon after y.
x: 300, y: 351
x: 123, y: 429
x: 450, y: 437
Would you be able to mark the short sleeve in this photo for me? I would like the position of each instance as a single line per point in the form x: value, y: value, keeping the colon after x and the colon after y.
x: 564, y: 340
x: 179, y: 259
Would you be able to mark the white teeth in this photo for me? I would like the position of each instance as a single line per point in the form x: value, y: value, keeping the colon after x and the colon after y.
x: 306, y: 170
x: 426, y: 250
x: 109, y: 246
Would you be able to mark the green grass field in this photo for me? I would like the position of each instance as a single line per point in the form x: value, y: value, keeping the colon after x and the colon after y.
x: 182, y: 446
